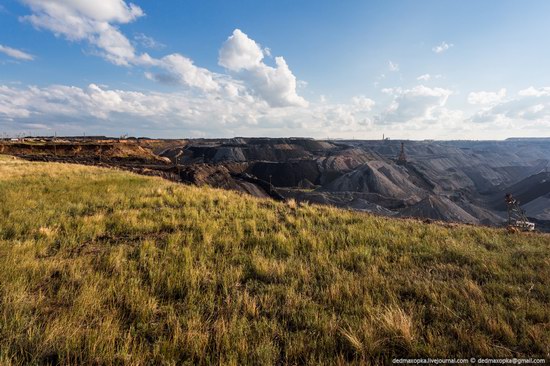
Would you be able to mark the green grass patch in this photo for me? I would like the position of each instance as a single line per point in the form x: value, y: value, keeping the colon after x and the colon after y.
x: 99, y: 266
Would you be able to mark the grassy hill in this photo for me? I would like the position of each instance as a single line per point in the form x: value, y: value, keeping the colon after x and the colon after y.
x: 100, y: 266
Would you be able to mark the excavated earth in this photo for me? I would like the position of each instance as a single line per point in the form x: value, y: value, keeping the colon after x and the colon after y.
x: 459, y: 181
x: 455, y: 181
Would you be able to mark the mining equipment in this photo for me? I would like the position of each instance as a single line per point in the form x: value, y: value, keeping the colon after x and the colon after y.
x: 517, y: 221
x: 177, y: 161
x: 402, y: 158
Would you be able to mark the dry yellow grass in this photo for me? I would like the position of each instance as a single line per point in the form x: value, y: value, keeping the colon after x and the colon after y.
x: 106, y: 267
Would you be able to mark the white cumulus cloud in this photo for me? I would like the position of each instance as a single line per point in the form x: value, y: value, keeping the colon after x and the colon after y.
x: 93, y: 21
x: 363, y: 103
x: 419, y: 103
x: 239, y: 52
x: 98, y: 24
x: 244, y: 57
x: 428, y: 77
x: 15, y: 53
x: 182, y: 70
x: 425, y: 77
x: 442, y: 47
x: 535, y: 92
x: 417, y: 112
x: 105, y: 109
x: 530, y: 107
x: 148, y: 42
x: 486, y: 98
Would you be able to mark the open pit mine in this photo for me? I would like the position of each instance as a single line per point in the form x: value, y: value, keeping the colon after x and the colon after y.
x: 451, y: 181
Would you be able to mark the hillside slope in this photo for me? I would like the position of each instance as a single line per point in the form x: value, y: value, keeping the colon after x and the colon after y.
x: 105, y: 267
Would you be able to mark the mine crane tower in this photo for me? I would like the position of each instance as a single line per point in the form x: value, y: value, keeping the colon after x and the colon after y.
x: 402, y: 158
x: 516, y: 215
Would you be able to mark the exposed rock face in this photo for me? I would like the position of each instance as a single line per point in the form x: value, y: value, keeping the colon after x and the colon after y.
x: 286, y: 174
x: 386, y: 179
x: 204, y: 174
x: 445, y: 180
x: 107, y: 150
x: 479, y: 166
x: 526, y: 191
x: 247, y: 150
x: 539, y: 207
x: 220, y: 177
x: 341, y: 161
x: 439, y: 208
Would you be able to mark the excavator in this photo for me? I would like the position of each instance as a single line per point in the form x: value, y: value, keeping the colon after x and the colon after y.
x: 517, y: 221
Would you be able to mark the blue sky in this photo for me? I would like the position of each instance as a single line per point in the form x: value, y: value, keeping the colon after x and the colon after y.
x: 353, y: 69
